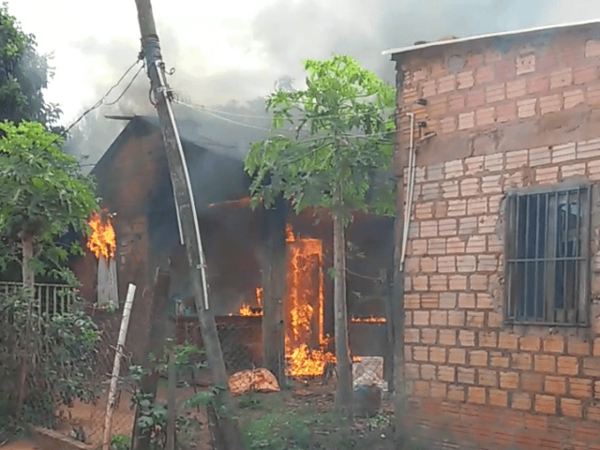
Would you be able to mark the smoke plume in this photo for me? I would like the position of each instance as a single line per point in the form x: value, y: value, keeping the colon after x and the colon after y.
x: 283, y: 34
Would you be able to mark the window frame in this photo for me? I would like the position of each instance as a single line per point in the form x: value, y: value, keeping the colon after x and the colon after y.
x: 511, y: 236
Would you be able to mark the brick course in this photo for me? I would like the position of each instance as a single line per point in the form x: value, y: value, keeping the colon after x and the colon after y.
x: 501, y: 386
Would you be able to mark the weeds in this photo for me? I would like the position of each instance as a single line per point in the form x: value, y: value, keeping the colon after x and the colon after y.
x: 301, y: 429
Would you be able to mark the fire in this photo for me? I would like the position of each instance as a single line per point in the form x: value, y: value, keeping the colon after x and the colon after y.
x: 259, y: 292
x: 103, y: 240
x: 249, y: 311
x: 304, y: 336
x: 307, y: 362
x: 289, y: 233
x: 368, y: 320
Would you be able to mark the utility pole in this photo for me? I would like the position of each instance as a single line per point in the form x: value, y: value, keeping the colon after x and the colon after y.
x: 188, y: 218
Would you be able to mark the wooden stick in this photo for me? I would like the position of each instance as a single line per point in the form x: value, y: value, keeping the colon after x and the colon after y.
x: 172, y: 414
x: 112, y: 392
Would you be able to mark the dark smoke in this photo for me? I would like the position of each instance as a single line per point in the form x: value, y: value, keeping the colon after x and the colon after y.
x: 286, y: 33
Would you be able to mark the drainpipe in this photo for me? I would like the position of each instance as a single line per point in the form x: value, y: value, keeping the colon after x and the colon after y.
x: 410, y: 191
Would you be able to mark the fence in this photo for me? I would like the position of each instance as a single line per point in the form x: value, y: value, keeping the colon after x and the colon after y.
x: 49, y: 298
x: 241, y: 343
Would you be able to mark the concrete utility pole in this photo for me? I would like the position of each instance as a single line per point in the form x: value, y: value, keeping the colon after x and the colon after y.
x: 189, y: 227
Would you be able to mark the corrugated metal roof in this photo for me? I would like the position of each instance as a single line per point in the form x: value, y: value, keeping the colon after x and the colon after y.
x: 485, y: 36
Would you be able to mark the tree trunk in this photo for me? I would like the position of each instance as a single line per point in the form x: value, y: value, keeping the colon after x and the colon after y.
x: 343, y: 398
x: 29, y: 287
x: 274, y: 285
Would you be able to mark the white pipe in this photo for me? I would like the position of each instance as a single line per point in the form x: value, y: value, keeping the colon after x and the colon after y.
x: 112, y: 392
x: 412, y: 160
x: 202, y: 266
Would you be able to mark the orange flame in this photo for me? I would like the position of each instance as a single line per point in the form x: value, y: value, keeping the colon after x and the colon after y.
x: 368, y: 320
x: 289, y: 233
x: 259, y: 292
x: 103, y: 240
x: 249, y: 311
x: 304, y: 339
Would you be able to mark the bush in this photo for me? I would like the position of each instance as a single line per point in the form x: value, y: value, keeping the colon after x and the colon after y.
x: 57, y: 351
x: 298, y: 429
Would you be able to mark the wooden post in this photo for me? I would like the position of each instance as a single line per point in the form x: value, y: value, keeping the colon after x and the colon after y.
x: 107, y: 282
x: 274, y: 288
x: 112, y: 392
x: 172, y: 413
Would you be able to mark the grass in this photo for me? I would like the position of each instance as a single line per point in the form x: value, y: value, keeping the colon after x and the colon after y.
x: 303, y: 428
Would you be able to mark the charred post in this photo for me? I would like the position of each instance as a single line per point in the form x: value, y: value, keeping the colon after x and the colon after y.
x: 274, y: 288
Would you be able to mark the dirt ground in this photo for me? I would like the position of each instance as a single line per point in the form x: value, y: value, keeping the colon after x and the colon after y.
x: 90, y: 417
x: 20, y: 445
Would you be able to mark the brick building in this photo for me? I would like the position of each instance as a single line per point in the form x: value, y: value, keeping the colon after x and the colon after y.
x: 502, y: 274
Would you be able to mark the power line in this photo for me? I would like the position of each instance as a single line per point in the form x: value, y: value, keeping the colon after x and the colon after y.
x: 257, y: 116
x: 99, y: 102
x: 127, y: 87
x: 206, y: 111
x: 202, y: 109
x: 96, y: 105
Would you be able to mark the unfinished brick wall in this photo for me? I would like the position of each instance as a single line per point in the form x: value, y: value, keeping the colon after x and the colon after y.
x: 504, y: 93
x: 458, y: 349
x: 472, y: 375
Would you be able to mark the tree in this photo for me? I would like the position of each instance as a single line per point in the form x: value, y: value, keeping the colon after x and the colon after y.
x: 339, y: 143
x: 24, y: 74
x: 43, y: 196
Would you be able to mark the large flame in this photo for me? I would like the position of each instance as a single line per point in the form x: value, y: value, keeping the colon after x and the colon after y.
x: 103, y: 240
x: 305, y: 342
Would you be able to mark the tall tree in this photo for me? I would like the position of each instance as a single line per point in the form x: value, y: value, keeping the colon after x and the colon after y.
x: 338, y: 141
x: 24, y: 74
x: 43, y: 196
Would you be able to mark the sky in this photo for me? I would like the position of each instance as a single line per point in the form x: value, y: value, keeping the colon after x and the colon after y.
x: 235, y: 50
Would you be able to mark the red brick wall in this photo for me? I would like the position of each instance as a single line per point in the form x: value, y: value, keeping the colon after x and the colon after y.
x: 504, y: 93
x: 470, y: 374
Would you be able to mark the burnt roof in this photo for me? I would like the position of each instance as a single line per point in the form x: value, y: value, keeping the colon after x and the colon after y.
x: 188, y: 133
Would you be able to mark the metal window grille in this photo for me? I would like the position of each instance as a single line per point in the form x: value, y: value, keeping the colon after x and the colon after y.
x: 547, y: 256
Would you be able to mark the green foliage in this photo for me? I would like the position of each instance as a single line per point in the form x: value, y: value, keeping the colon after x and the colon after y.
x: 337, y: 146
x: 24, y: 74
x: 379, y: 422
x: 59, y: 353
x: 300, y: 429
x: 42, y: 194
x: 250, y: 401
x: 120, y: 442
x: 153, y: 418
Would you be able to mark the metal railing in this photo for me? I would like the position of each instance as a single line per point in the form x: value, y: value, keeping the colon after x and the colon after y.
x: 547, y: 256
x: 50, y: 299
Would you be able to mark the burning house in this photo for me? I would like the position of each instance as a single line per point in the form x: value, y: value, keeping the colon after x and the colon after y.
x: 244, y: 248
x: 501, y: 273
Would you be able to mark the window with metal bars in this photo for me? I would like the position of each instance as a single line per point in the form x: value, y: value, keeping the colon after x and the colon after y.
x: 547, y: 256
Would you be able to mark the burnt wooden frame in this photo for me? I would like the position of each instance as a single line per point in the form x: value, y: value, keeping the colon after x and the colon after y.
x: 575, y: 311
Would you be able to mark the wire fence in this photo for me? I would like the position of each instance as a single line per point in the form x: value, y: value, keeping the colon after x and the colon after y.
x: 242, y: 345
